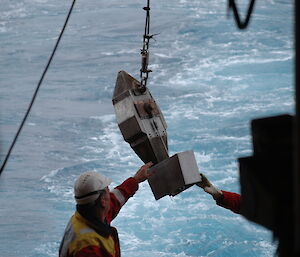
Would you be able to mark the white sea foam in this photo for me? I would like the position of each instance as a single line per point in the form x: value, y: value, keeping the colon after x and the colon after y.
x: 163, y: 55
x: 16, y: 10
x: 225, y: 181
x: 108, y: 53
x: 93, y: 149
x: 47, y: 178
x: 47, y: 249
x: 203, y: 157
x: 40, y: 1
x: 3, y: 27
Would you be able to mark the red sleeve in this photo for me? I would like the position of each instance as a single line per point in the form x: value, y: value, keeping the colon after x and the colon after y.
x: 92, y: 251
x: 128, y: 187
x: 119, y: 196
x: 231, y: 201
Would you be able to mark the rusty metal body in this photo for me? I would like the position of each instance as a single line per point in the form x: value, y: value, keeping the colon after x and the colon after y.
x: 143, y: 126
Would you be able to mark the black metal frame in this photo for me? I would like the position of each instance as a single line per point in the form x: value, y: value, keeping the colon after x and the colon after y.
x: 296, y: 129
x: 297, y: 134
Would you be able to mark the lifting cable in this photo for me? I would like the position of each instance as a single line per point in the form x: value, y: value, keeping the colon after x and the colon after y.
x: 37, y: 89
x: 239, y: 23
x: 144, y: 71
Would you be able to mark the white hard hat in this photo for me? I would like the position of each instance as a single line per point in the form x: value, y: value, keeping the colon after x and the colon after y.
x: 88, y: 186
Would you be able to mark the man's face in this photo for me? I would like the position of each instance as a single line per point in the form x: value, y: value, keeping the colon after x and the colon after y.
x: 106, y: 201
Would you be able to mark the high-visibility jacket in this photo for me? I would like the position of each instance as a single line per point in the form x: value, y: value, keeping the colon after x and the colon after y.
x: 231, y: 201
x: 82, y: 238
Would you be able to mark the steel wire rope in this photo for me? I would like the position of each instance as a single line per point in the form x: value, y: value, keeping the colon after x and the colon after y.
x: 239, y: 23
x: 144, y: 71
x: 37, y: 89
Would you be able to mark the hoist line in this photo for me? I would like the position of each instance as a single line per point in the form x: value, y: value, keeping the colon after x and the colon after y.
x: 36, y: 90
x: 144, y: 52
x: 147, y: 23
x: 239, y: 23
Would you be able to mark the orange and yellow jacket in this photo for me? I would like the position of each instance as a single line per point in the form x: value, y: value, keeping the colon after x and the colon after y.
x: 83, y: 238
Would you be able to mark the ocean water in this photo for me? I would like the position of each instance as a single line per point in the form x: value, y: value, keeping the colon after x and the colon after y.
x: 209, y: 79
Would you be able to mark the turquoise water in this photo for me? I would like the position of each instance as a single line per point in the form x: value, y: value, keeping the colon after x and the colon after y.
x: 208, y: 78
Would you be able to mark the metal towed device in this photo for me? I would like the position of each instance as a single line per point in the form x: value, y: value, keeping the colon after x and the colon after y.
x: 143, y: 126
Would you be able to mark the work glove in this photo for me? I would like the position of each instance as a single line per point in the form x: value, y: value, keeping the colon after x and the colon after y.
x: 143, y: 173
x: 209, y: 187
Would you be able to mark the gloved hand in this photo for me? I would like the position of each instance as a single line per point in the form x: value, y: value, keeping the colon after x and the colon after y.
x: 209, y: 187
x: 142, y: 174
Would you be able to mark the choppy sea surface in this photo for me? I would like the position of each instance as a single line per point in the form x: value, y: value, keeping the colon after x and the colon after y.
x: 209, y: 79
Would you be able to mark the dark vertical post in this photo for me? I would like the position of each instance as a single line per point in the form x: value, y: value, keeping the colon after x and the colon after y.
x: 297, y: 133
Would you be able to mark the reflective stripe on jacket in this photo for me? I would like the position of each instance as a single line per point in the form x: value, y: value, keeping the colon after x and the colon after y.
x: 81, y: 239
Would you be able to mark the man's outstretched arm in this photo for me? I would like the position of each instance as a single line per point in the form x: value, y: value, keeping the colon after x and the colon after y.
x: 228, y: 200
x: 120, y: 194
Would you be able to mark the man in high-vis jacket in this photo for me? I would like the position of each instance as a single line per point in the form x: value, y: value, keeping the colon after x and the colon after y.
x: 228, y: 200
x: 89, y: 233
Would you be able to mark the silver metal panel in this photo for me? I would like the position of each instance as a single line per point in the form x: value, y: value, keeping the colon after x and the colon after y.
x: 124, y: 110
x: 174, y: 175
x: 189, y: 167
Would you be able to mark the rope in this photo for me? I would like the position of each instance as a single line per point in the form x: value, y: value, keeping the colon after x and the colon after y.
x: 240, y: 24
x: 144, y: 71
x: 36, y: 90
